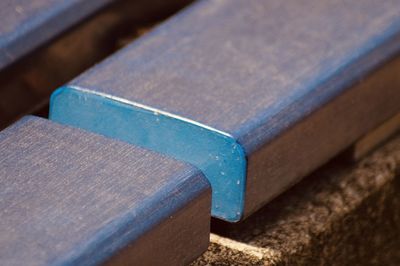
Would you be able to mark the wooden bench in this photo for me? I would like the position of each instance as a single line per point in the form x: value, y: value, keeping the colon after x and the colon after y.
x: 70, y: 197
x: 257, y: 94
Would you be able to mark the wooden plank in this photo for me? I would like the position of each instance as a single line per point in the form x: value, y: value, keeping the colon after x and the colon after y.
x: 25, y: 24
x: 374, y: 138
x: 70, y: 197
x: 256, y: 93
x: 26, y: 85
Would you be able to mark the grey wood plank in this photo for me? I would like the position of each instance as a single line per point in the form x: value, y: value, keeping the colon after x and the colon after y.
x: 70, y: 197
x: 27, y: 24
x: 256, y: 93
x: 27, y: 83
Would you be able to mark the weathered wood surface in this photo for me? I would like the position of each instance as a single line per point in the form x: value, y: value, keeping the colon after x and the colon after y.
x: 27, y: 84
x: 69, y: 197
x: 27, y: 24
x: 289, y: 84
x: 343, y: 214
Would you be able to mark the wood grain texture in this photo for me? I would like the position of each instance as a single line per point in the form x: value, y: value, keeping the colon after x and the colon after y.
x: 70, y: 197
x: 292, y: 82
x: 27, y: 84
x: 25, y: 24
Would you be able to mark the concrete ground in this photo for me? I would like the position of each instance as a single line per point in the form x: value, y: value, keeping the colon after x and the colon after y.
x: 343, y: 214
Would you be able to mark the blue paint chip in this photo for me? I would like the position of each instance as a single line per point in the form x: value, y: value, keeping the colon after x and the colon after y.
x: 216, y: 154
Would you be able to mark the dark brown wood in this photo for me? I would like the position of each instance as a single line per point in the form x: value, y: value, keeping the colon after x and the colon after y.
x: 374, y: 138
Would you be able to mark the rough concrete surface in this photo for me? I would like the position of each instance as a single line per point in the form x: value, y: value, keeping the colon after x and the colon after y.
x: 343, y: 214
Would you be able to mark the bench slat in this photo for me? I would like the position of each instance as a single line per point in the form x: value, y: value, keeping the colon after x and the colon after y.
x: 25, y: 24
x: 256, y: 93
x: 70, y: 197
